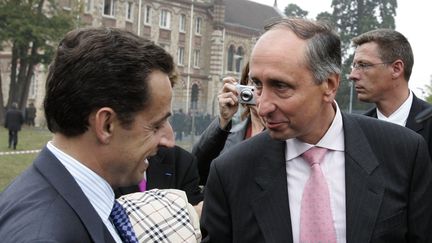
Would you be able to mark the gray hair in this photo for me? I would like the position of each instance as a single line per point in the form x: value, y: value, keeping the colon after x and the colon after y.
x: 323, y: 52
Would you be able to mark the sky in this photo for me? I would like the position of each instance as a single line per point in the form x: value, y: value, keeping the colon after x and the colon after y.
x: 413, y: 20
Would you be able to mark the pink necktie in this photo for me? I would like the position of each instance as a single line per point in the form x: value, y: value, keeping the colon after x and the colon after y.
x: 143, y: 185
x: 316, y: 221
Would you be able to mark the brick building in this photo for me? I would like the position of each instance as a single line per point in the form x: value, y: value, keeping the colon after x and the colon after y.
x: 209, y: 39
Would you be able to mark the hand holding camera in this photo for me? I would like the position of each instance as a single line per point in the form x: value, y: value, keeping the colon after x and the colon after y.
x: 228, y: 101
x: 230, y: 96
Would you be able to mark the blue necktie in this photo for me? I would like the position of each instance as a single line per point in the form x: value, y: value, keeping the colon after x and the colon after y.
x: 121, y: 222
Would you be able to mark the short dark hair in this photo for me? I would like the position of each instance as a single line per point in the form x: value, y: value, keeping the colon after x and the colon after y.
x: 392, y: 46
x: 323, y: 54
x: 100, y: 67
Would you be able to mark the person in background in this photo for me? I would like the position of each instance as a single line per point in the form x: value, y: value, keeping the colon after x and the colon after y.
x: 30, y: 114
x: 13, y: 122
x: 382, y: 66
x: 221, y: 135
x: 173, y: 168
x: 315, y: 174
x: 108, y: 100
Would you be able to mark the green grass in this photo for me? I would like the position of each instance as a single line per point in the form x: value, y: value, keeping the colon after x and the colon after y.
x: 29, y: 138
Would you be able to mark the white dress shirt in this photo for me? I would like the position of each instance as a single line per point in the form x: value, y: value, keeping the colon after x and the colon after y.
x: 333, y: 168
x: 400, y: 116
x: 96, y: 189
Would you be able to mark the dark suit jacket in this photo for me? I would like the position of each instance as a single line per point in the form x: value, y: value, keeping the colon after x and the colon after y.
x: 45, y: 204
x: 388, y: 188
x: 13, y: 120
x: 214, y: 141
x: 424, y: 128
x: 171, y: 168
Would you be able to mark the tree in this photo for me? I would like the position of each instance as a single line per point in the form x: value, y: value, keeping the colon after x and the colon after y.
x: 29, y: 28
x: 428, y: 91
x: 292, y: 10
x: 351, y: 18
x: 325, y: 16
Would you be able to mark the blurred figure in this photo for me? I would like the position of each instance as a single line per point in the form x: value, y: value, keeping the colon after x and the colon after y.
x: 221, y: 135
x: 30, y: 114
x: 179, y: 124
x: 108, y: 100
x: 316, y: 174
x: 13, y: 121
x: 382, y: 66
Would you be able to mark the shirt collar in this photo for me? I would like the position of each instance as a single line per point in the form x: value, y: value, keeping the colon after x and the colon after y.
x: 94, y: 187
x: 333, y: 139
x: 400, y: 116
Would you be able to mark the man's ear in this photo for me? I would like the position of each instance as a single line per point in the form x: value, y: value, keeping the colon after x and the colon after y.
x: 330, y: 86
x: 397, y: 68
x: 103, y: 122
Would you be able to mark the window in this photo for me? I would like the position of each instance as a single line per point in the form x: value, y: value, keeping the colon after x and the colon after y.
x: 129, y: 10
x: 33, y: 88
x: 147, y: 14
x: 196, y: 58
x: 198, y: 22
x: 88, y: 6
x: 182, y: 23
x: 180, y: 56
x: 165, y: 19
x: 109, y: 7
x: 230, y: 60
x: 239, y: 59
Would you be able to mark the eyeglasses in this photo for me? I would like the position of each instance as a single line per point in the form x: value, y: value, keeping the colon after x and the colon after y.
x: 363, y: 66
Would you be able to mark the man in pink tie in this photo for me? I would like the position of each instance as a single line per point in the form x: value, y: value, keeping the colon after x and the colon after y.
x: 317, y: 174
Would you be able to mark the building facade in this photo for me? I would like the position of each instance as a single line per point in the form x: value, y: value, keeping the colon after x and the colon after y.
x: 209, y: 39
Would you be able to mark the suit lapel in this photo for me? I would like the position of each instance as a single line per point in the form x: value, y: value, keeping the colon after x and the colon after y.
x: 270, y: 200
x: 66, y: 186
x: 416, y: 108
x: 161, y: 171
x: 363, y: 181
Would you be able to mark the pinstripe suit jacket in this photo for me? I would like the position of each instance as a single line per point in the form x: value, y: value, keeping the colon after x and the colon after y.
x: 388, y: 186
x: 424, y: 128
x: 45, y: 204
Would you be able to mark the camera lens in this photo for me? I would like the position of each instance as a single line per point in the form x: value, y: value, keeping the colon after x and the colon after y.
x: 246, y: 95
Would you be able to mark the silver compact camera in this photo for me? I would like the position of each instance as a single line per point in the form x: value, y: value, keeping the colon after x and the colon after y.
x: 246, y: 94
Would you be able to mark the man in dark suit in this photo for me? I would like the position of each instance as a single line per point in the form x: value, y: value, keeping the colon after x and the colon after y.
x: 374, y: 177
x: 171, y: 168
x: 382, y: 67
x: 108, y: 99
x: 13, y: 121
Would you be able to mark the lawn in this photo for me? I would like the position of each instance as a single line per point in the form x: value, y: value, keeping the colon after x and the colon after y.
x: 29, y: 138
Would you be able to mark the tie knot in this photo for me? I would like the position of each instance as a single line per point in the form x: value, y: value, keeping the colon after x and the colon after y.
x: 117, y: 210
x: 314, y: 155
x: 121, y: 221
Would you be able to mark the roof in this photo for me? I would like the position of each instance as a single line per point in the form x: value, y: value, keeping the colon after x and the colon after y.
x: 249, y: 14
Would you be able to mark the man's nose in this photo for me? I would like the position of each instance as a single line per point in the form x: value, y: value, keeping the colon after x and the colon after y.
x: 264, y: 103
x: 167, y: 139
x: 354, y: 75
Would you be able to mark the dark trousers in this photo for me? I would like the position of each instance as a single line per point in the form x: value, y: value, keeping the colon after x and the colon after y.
x: 13, y: 138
